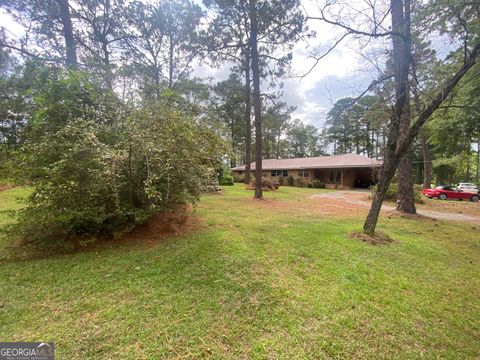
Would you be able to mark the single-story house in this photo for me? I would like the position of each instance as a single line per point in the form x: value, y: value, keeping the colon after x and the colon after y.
x: 340, y: 171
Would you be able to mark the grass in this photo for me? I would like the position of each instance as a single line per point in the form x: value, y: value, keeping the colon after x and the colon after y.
x: 10, y: 200
x: 263, y: 279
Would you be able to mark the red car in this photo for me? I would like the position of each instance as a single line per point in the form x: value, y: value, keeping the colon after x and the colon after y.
x: 445, y: 192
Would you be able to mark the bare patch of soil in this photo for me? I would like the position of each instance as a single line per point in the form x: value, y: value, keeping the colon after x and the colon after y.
x: 333, y: 206
x: 379, y: 238
x: 6, y: 186
x: 395, y: 213
x: 337, y: 207
x: 265, y: 188
x: 310, y: 206
x: 164, y: 225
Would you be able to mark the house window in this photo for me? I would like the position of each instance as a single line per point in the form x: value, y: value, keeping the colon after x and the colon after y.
x: 279, y: 173
x: 303, y: 173
x: 335, y: 176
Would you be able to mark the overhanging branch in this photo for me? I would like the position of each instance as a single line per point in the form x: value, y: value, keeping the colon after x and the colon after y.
x: 437, y: 101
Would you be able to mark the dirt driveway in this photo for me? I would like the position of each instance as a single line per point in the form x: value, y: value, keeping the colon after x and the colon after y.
x: 446, y: 210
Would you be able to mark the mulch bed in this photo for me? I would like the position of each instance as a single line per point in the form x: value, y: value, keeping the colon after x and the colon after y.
x: 379, y: 238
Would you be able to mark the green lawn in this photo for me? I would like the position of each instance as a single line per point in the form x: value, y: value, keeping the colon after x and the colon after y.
x: 263, y: 279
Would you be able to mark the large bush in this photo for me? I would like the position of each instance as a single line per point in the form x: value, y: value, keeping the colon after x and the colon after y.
x: 226, y: 180
x: 316, y: 184
x: 91, y: 180
x: 300, y: 182
x: 224, y: 175
x: 239, y: 178
x: 290, y: 180
x: 267, y: 184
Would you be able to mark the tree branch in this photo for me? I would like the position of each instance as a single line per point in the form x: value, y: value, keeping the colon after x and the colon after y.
x: 26, y: 52
x: 351, y: 30
x: 437, y: 101
x: 317, y: 59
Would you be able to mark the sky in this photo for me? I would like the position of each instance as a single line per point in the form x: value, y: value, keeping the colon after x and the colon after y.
x: 342, y: 73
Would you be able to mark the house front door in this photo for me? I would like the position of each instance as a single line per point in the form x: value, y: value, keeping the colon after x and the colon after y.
x: 317, y: 174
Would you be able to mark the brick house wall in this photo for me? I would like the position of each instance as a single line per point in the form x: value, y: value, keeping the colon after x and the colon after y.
x: 332, y: 178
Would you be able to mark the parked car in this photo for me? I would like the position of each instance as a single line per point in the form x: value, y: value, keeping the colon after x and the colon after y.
x: 445, y: 192
x: 468, y: 187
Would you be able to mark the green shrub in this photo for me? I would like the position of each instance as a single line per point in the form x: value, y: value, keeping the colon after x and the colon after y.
x: 290, y: 180
x: 267, y: 184
x: 281, y: 180
x: 89, y: 184
x: 224, y: 175
x: 226, y: 180
x: 318, y: 184
x: 392, y: 191
x: 239, y: 178
x: 309, y: 185
x: 300, y: 182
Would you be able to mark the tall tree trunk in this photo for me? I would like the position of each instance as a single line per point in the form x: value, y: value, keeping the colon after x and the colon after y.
x: 427, y: 166
x: 232, y: 159
x: 401, y: 58
x: 405, y: 196
x: 387, y: 171
x: 170, y: 62
x: 278, y: 145
x: 467, y: 173
x: 248, y: 122
x: 66, y: 19
x: 384, y: 143
x: 108, y: 67
x: 478, y: 159
x: 372, y: 142
x: 256, y: 99
x: 157, y: 82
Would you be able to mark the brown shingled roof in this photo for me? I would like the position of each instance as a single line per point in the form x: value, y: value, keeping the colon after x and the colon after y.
x: 332, y: 162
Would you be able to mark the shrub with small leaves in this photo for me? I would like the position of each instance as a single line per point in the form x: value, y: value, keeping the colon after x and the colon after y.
x: 226, y: 180
x: 300, y: 182
x: 318, y: 184
x: 290, y: 180
x: 239, y: 178
x: 267, y: 184
x: 92, y: 180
